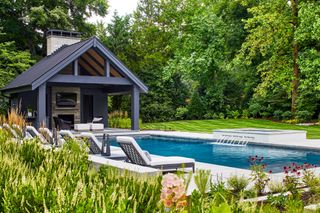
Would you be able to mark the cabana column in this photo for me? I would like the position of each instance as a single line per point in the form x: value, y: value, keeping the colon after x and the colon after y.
x: 41, y: 105
x: 135, y: 108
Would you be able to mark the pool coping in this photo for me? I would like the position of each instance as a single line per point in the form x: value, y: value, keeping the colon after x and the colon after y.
x: 309, y: 144
x: 225, y: 171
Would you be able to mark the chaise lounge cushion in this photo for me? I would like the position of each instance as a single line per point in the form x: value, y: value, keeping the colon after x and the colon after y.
x: 82, y: 127
x: 96, y: 126
x: 158, y: 161
x: 138, y: 156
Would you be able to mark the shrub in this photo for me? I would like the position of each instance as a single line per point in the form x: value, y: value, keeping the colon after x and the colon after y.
x: 181, y: 113
x: 157, y: 112
x: 303, y: 116
x: 278, y: 201
x: 119, y: 119
x: 237, y: 183
x: 221, y: 115
x: 202, y: 180
x: 286, y: 115
x: 265, y: 114
x: 255, y: 109
x: 292, y: 121
x: 245, y: 114
x: 235, y: 114
x: 276, y: 187
x: 211, y: 115
x: 277, y: 114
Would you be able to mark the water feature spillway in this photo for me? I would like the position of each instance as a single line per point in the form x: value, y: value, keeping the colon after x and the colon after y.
x: 264, y: 136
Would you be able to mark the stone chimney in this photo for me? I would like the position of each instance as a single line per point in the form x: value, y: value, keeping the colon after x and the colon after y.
x: 58, y: 38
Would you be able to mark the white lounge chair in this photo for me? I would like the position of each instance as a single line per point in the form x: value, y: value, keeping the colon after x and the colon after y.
x: 48, y: 135
x: 67, y: 133
x: 10, y: 130
x: 95, y: 144
x: 96, y: 147
x: 137, y: 156
x: 34, y: 133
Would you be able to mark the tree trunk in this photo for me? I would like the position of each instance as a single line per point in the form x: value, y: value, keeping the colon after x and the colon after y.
x: 295, y: 81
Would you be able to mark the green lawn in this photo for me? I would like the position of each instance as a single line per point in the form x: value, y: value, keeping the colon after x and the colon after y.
x: 209, y: 125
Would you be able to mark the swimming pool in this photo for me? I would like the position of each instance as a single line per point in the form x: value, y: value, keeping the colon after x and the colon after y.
x: 234, y: 156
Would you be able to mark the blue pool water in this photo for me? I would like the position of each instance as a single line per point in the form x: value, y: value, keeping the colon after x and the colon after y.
x: 226, y: 155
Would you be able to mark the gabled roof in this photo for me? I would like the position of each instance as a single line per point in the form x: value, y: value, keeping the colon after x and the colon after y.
x: 52, y: 64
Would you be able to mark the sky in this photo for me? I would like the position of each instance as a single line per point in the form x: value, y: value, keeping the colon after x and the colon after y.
x: 122, y: 6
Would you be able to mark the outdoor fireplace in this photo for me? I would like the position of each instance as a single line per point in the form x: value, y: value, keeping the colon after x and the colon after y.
x: 67, y: 117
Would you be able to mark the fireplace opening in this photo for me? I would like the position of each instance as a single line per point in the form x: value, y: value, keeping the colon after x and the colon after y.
x: 69, y: 118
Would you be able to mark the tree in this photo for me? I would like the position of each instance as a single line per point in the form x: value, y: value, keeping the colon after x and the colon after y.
x: 12, y: 63
x: 27, y: 22
x: 269, y: 47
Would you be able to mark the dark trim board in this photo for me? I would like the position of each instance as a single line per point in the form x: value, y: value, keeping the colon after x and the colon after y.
x: 122, y: 67
x: 89, y: 80
x: 16, y: 90
x: 61, y: 65
x: 41, y: 75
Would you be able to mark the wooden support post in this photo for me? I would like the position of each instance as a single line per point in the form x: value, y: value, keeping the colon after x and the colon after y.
x: 107, y: 67
x: 75, y: 67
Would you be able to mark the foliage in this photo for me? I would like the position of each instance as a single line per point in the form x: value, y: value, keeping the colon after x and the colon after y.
x: 181, y: 113
x: 258, y: 175
x: 276, y: 187
x: 38, y: 180
x: 303, y: 115
x: 202, y: 180
x: 278, y: 201
x: 27, y: 22
x: 291, y: 181
x: 237, y: 183
x: 119, y: 119
x: 12, y: 63
x: 201, y: 59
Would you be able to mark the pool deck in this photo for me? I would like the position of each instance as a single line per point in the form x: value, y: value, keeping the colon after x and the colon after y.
x: 218, y: 173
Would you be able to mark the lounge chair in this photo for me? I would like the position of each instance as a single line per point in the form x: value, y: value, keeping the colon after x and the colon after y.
x: 66, y: 133
x: 10, y: 130
x: 95, y: 145
x: 34, y: 133
x: 137, y: 156
x: 48, y: 135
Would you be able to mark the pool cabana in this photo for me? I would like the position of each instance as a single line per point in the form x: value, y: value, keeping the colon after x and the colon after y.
x: 73, y: 82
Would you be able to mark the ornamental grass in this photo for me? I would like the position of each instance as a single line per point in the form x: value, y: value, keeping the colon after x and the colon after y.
x: 62, y: 180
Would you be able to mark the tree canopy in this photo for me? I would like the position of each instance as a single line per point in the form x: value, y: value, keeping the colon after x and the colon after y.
x: 220, y: 58
x: 201, y: 59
